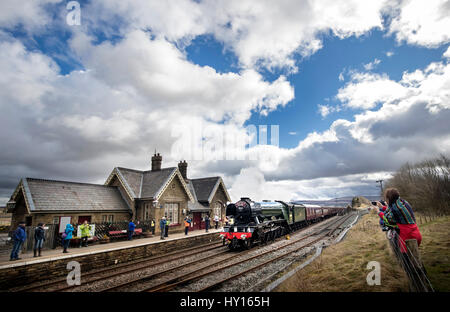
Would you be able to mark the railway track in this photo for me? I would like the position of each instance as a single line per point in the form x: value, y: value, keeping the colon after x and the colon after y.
x: 177, y: 270
x: 60, y: 284
x: 175, y: 279
x: 218, y: 284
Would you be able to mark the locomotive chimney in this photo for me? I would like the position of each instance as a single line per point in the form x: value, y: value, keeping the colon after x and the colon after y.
x: 156, y: 162
x: 182, y: 166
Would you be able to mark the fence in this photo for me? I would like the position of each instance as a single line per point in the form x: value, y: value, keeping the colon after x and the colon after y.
x: 410, y: 261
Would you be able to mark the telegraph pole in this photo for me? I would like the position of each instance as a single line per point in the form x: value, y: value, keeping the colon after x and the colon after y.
x: 381, y: 185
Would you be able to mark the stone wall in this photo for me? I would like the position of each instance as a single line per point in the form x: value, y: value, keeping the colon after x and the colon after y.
x: 220, y: 198
x: 27, y: 274
x: 174, y: 193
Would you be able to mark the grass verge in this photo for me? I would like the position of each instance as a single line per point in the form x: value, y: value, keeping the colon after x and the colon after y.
x: 343, y: 267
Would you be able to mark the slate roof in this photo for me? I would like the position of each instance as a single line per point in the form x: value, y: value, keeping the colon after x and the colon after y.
x: 133, y: 178
x: 203, y: 187
x: 144, y: 184
x: 50, y: 195
x: 153, y: 181
x: 195, y: 206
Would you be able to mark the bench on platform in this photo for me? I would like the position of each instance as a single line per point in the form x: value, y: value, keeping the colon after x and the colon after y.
x: 123, y: 233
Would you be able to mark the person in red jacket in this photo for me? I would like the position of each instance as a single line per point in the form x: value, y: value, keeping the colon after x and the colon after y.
x: 400, y: 213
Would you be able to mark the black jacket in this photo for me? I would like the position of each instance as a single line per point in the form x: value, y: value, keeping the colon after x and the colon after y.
x: 39, y: 233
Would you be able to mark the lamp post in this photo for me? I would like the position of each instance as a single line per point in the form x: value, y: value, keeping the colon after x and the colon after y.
x: 381, y: 185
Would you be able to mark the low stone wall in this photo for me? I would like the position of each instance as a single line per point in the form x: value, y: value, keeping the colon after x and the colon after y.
x: 27, y: 274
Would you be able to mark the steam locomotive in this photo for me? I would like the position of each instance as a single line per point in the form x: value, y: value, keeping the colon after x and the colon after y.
x: 261, y: 222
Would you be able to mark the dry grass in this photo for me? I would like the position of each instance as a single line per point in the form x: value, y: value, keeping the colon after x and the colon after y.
x: 342, y: 267
x: 435, y: 251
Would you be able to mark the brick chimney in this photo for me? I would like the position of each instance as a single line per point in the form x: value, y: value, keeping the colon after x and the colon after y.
x: 156, y: 162
x: 182, y: 166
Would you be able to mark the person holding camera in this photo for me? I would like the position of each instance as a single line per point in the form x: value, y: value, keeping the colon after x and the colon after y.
x: 400, y: 214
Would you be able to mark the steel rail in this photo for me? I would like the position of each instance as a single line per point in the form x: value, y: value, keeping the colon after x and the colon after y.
x: 166, y: 286
x: 216, y: 284
x: 123, y: 265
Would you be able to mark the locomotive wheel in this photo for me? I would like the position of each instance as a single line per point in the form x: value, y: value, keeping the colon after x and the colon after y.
x: 234, y: 244
x: 247, y: 244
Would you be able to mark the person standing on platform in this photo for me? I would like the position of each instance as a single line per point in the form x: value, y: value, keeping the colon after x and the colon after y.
x: 207, y: 223
x: 162, y: 226
x: 39, y: 238
x: 216, y: 220
x: 152, y: 225
x: 67, y: 236
x: 85, y: 233
x: 19, y: 237
x: 166, y: 234
x: 187, y: 224
x: 131, y: 228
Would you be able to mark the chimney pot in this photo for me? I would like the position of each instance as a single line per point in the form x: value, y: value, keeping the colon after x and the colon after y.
x: 156, y: 162
x: 182, y: 166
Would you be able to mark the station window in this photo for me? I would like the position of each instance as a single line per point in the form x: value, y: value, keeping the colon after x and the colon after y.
x: 171, y: 212
x: 55, y: 220
x: 111, y: 218
x: 217, y: 209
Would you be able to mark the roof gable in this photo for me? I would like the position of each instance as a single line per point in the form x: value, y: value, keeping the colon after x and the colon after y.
x: 146, y: 184
x: 154, y: 181
x: 205, y: 188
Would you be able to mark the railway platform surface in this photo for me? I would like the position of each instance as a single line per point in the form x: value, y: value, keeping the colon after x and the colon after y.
x: 56, y: 254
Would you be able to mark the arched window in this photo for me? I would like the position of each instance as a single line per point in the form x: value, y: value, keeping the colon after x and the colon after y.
x: 217, y: 210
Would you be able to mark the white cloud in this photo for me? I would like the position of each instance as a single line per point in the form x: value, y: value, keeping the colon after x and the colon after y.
x: 325, y: 110
x: 122, y: 107
x: 158, y: 71
x: 31, y: 14
x: 447, y: 53
x: 372, y: 65
x: 367, y: 90
x: 424, y: 23
x: 258, y: 33
x: 389, y: 53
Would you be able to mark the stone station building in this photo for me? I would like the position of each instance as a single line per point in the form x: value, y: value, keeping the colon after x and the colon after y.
x: 127, y: 194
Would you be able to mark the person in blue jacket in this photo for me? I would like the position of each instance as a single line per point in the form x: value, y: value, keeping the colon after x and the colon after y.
x: 131, y: 228
x: 19, y: 237
x: 162, y: 226
x: 67, y: 237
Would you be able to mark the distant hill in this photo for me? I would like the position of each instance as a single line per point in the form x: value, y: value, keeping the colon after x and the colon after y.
x: 336, y: 202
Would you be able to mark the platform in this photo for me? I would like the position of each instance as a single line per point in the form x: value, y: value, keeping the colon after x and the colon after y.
x: 57, y: 254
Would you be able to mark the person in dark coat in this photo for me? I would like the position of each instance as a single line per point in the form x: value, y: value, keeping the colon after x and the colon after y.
x: 162, y: 226
x: 39, y: 238
x: 153, y: 226
x: 131, y: 228
x: 166, y: 230
x: 207, y: 223
x: 19, y: 237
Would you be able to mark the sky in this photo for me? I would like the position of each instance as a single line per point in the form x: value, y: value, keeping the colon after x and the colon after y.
x: 298, y: 100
